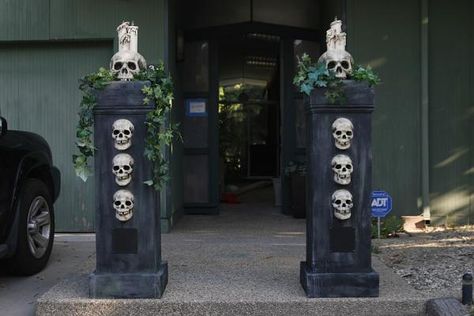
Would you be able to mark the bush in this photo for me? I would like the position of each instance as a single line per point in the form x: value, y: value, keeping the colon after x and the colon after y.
x: 389, y: 227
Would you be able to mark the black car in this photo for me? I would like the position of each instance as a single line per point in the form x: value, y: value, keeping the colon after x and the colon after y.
x: 29, y: 185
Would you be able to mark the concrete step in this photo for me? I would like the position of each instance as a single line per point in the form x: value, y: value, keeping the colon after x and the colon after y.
x: 257, y: 292
x: 243, y: 262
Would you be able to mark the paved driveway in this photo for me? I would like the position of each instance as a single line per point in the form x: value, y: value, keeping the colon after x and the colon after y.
x: 71, y: 254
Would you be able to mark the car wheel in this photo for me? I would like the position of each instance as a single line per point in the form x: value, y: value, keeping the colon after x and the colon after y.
x: 35, y: 229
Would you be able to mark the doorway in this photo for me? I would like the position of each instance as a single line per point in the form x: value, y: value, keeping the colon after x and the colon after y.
x: 248, y: 113
x: 244, y: 120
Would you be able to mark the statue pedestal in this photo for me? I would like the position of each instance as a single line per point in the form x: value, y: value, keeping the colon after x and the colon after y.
x: 338, y: 251
x: 129, y: 261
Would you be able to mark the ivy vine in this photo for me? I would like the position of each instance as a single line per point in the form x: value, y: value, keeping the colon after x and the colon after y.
x: 160, y: 133
x: 311, y: 75
x: 84, y: 131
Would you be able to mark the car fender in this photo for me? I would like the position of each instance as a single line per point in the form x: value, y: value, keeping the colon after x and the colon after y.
x: 26, y: 167
x: 29, y: 165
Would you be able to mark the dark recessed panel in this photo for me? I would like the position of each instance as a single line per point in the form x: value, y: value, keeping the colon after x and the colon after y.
x: 342, y: 239
x: 124, y: 241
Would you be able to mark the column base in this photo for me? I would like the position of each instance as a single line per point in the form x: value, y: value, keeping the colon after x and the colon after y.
x: 355, y: 284
x: 129, y: 285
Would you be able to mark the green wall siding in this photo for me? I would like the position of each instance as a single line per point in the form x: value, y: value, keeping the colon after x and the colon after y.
x: 45, y: 47
x: 451, y: 111
x: 24, y: 20
x: 386, y: 36
x: 39, y: 93
x: 174, y: 208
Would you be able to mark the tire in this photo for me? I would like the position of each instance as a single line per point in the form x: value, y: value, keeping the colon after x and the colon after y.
x: 35, y: 229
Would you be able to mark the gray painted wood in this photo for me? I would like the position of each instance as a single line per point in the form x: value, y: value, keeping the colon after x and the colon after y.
x: 122, y: 271
x: 331, y: 272
x: 39, y: 93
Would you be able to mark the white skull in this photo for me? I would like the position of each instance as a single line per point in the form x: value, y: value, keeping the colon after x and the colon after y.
x: 123, y: 205
x: 122, y: 134
x: 342, y: 167
x: 123, y: 168
x: 343, y: 132
x: 126, y: 64
x: 342, y: 203
x: 339, y: 62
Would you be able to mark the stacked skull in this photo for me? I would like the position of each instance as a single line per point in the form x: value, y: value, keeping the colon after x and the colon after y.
x: 127, y: 62
x: 122, y: 168
x: 336, y: 58
x: 343, y: 132
x: 339, y: 62
x: 122, y: 133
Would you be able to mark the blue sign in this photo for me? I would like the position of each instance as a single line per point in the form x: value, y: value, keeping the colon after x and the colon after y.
x: 381, y: 203
x: 196, y: 107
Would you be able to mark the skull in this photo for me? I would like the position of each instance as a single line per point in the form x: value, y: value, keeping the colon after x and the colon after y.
x: 122, y: 134
x: 342, y: 167
x: 342, y: 130
x: 339, y: 62
x: 342, y: 203
x: 122, y: 168
x: 123, y: 205
x: 126, y: 64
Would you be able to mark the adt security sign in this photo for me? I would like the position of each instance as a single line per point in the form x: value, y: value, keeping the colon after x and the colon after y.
x: 381, y: 203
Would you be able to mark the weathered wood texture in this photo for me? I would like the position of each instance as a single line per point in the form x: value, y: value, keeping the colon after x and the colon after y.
x: 39, y: 93
x: 376, y: 37
x: 338, y: 252
x: 129, y: 261
x: 45, y: 47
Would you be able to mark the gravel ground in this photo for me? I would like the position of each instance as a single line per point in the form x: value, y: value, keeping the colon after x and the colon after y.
x: 432, y: 261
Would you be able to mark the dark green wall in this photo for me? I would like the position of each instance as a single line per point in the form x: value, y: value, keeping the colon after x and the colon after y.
x: 387, y: 36
x: 451, y: 111
x: 45, y: 47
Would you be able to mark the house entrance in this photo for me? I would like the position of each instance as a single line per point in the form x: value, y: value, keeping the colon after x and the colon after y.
x: 243, y: 120
x: 248, y: 114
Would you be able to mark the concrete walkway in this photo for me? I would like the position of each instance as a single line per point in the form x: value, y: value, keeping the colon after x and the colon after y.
x: 18, y: 294
x: 242, y: 262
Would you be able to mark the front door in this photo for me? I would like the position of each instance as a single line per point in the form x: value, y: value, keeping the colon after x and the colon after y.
x: 203, y: 83
x: 200, y: 134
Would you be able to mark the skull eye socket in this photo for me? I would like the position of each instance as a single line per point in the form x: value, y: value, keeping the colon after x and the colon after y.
x: 118, y: 65
x: 349, y: 133
x: 331, y: 65
x: 116, y: 168
x: 117, y: 203
x: 126, y: 132
x: 345, y: 64
x: 128, y: 203
x: 338, y: 133
x: 338, y: 202
x: 116, y: 131
x: 348, y: 201
x: 131, y: 65
x: 338, y: 166
x: 126, y: 167
x: 349, y: 167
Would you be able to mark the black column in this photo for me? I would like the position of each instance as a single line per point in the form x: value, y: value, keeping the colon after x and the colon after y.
x: 129, y: 261
x: 338, y: 258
